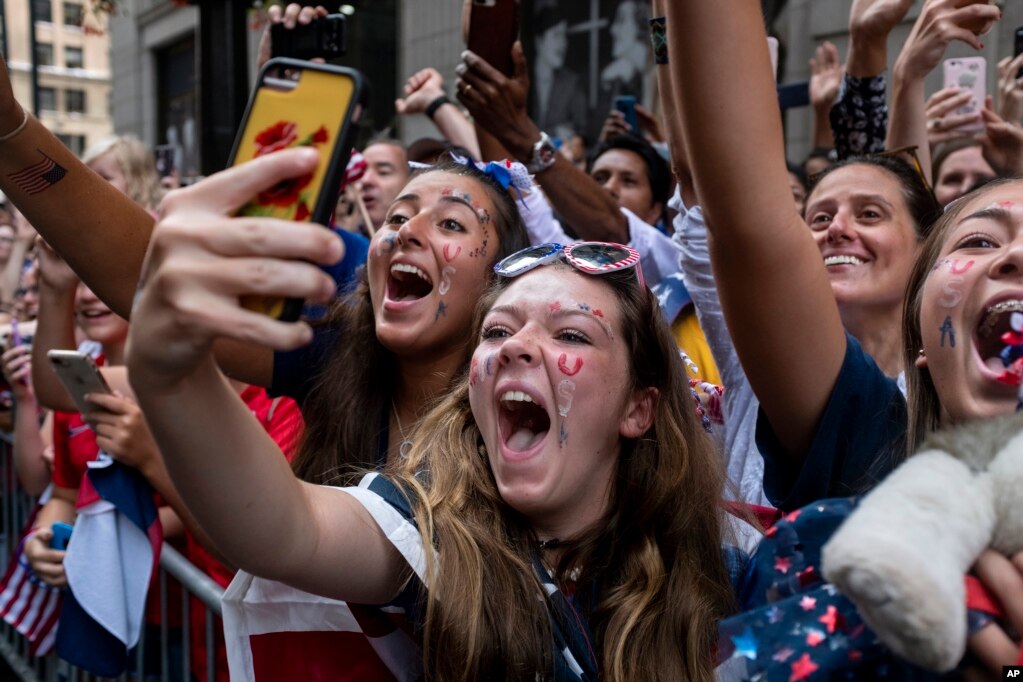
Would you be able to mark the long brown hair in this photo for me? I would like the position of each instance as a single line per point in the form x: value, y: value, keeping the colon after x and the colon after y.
x: 654, y: 559
x: 347, y: 407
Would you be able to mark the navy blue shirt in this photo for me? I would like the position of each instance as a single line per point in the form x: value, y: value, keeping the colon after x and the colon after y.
x: 858, y: 441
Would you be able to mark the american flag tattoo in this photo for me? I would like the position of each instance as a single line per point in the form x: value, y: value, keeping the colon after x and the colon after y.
x: 40, y: 176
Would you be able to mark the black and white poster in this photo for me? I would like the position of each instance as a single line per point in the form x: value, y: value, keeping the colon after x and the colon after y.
x: 582, y: 54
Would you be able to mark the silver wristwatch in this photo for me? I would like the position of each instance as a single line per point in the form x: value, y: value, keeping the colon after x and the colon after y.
x: 544, y: 155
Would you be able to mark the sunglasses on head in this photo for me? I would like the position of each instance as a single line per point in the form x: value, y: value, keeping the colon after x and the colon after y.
x: 592, y: 258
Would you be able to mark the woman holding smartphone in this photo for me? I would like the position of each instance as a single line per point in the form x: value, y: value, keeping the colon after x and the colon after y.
x: 559, y: 459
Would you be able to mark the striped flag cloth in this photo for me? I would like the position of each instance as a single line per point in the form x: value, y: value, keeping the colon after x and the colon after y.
x: 36, y: 178
x: 28, y: 604
x: 276, y: 632
x: 355, y: 169
x: 111, y: 559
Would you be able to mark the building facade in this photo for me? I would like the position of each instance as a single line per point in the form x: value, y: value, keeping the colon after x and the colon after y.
x: 73, y: 61
x: 155, y: 89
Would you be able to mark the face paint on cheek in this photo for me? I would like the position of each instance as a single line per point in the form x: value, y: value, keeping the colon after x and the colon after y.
x: 450, y: 253
x: 562, y: 436
x: 950, y: 292
x: 554, y: 307
x: 479, y: 372
x: 566, y: 394
x: 481, y: 250
x: 445, y: 279
x: 442, y: 310
x: 473, y: 379
x: 489, y: 365
x: 948, y: 331
x: 959, y: 269
x: 387, y: 244
x: 481, y: 214
x: 565, y: 369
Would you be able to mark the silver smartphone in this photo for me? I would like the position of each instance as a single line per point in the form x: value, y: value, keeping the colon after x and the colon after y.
x: 79, y: 374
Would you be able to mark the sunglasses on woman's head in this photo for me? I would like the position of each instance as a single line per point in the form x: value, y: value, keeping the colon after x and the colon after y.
x: 592, y: 258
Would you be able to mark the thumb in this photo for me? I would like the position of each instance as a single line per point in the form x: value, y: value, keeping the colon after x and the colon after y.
x: 399, y: 105
x: 519, y: 62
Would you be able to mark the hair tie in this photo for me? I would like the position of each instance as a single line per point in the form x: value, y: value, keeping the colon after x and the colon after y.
x: 505, y: 173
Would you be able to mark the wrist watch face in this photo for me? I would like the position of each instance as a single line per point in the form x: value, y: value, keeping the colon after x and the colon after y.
x: 544, y: 154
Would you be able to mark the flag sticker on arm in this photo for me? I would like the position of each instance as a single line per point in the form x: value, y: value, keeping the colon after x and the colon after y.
x: 39, y: 176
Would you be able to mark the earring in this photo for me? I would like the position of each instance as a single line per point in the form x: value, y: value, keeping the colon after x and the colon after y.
x: 921, y: 353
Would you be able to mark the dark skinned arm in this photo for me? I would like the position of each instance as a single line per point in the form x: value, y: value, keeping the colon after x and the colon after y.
x: 498, y: 105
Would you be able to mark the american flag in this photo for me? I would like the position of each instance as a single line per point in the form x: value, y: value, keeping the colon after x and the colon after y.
x: 29, y: 605
x: 38, y: 177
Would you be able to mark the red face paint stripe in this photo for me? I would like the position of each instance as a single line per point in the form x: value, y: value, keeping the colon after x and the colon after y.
x: 563, y: 365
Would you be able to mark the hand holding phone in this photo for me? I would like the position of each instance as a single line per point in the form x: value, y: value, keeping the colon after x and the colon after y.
x: 627, y: 105
x: 79, y: 374
x: 299, y: 104
x: 968, y: 74
x: 493, y: 29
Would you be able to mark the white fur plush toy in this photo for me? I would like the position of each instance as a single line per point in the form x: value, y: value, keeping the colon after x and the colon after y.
x: 902, y: 555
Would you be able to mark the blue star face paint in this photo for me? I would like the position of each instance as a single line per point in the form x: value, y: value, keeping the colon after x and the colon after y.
x: 442, y: 310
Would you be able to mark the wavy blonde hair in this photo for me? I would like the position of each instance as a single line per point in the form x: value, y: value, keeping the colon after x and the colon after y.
x: 654, y: 559
x: 136, y: 161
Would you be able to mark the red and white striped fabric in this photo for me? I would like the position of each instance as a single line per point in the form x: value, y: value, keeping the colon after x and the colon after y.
x: 27, y: 604
x: 275, y: 632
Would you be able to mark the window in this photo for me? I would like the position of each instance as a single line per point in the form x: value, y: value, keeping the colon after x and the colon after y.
x: 44, y: 54
x: 44, y: 10
x: 73, y: 58
x: 47, y: 99
x: 72, y: 14
x: 75, y: 101
x: 76, y: 143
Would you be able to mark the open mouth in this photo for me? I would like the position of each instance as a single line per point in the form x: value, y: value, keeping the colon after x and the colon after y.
x: 523, y: 423
x: 999, y: 340
x: 843, y: 260
x: 408, y: 283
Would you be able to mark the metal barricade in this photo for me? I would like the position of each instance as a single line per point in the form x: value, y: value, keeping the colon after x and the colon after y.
x: 16, y: 508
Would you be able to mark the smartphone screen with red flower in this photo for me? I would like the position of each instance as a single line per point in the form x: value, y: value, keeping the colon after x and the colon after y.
x: 299, y: 104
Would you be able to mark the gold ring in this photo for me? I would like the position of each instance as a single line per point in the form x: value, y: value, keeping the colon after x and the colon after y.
x: 467, y: 88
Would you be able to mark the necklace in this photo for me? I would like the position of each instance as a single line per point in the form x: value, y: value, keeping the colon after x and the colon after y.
x: 550, y: 544
x: 406, y: 442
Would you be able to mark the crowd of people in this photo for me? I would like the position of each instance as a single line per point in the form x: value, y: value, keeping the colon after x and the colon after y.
x: 565, y: 408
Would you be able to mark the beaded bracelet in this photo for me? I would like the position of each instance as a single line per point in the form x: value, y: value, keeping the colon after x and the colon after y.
x: 659, y: 39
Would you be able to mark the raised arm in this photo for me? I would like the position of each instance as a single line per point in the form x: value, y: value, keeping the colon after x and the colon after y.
x: 859, y: 118
x: 424, y: 94
x: 101, y: 232
x: 498, y: 104
x: 228, y: 471
x: 771, y: 278
x: 940, y: 22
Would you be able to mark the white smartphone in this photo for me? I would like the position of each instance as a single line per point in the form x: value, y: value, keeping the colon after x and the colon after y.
x: 970, y: 74
x: 79, y: 374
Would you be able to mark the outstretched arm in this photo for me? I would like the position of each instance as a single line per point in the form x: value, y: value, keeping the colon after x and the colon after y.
x: 228, y: 471
x: 65, y: 201
x: 498, y: 104
x: 770, y: 275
